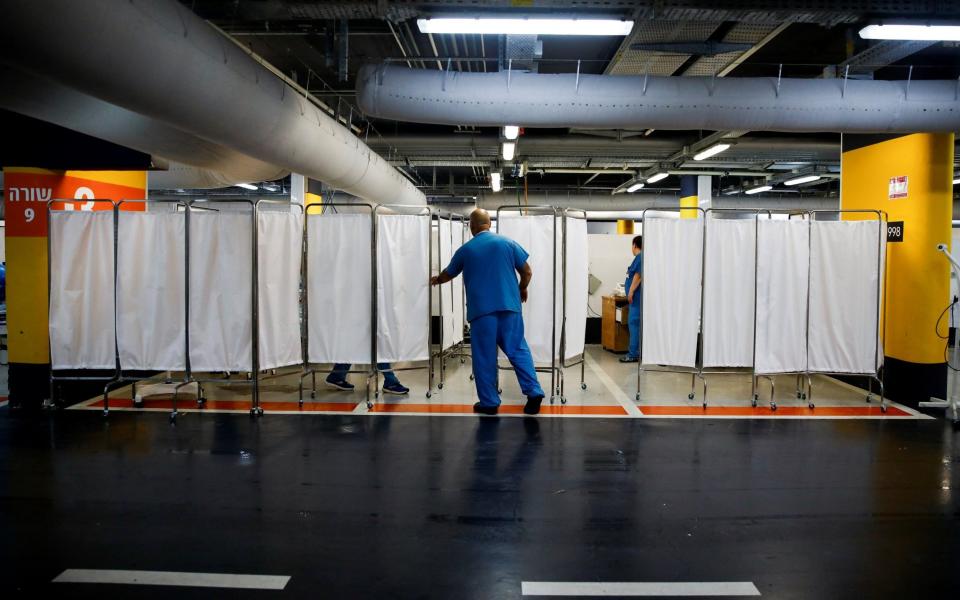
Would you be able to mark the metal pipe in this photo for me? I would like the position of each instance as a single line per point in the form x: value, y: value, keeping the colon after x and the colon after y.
x: 743, y: 103
x: 199, y: 82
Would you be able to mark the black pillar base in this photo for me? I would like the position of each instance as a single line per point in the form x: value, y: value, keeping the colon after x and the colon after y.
x: 29, y: 385
x: 910, y: 383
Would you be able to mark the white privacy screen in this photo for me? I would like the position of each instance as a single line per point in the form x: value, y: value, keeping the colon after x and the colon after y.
x: 578, y: 261
x: 339, y: 288
x: 846, y: 263
x: 220, y: 290
x: 457, y: 285
x: 280, y: 237
x: 403, y: 297
x: 82, y: 332
x: 446, y: 290
x: 537, y: 234
x: 151, y: 307
x: 672, y: 258
x: 729, y: 280
x: 783, y: 259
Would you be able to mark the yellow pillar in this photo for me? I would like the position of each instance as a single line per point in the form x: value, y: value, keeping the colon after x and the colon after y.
x: 910, y: 178
x: 624, y: 226
x: 26, y: 192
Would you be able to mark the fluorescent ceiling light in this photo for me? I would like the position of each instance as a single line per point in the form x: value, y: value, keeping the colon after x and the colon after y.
x: 711, y: 151
x: 247, y: 186
x: 935, y: 33
x: 659, y: 176
x: 509, y: 148
x: 758, y: 189
x: 801, y: 179
x: 496, y: 183
x: 956, y: 180
x: 525, y: 26
x: 511, y: 131
x: 634, y: 187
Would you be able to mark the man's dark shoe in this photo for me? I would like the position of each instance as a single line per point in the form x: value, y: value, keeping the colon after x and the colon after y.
x: 628, y: 359
x: 339, y: 384
x: 532, y: 406
x: 485, y: 410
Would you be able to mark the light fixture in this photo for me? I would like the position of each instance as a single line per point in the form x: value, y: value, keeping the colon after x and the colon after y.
x: 956, y: 180
x: 496, y: 183
x: 270, y: 187
x: 511, y: 131
x: 711, y: 151
x: 509, y: 148
x: 657, y: 177
x: 934, y: 33
x: 801, y: 179
x: 758, y: 189
x: 247, y: 186
x: 634, y: 187
x: 525, y: 26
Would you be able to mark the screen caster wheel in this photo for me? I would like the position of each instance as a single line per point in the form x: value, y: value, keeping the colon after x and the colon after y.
x: 429, y: 394
x: 583, y: 386
x: 440, y: 386
x: 704, y: 406
x: 463, y: 360
x: 773, y: 407
x: 369, y: 405
x: 883, y: 409
x: 200, y: 402
x: 499, y: 390
x: 637, y: 397
x: 173, y: 418
x: 869, y: 399
x: 313, y: 394
x: 753, y: 402
x: 138, y: 401
x: 106, y: 413
x: 810, y: 405
x: 471, y: 376
x: 690, y: 396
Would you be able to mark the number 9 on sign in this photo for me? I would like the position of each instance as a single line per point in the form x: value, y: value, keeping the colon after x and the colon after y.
x: 29, y: 214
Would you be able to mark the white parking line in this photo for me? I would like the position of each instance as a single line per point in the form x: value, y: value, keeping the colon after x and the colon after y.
x: 612, y: 387
x: 172, y: 578
x: 639, y: 588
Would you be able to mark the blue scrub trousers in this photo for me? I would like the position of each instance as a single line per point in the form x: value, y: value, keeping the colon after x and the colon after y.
x: 503, y: 329
x: 339, y: 373
x: 633, y: 324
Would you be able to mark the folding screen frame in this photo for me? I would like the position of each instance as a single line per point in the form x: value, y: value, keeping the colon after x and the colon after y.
x: 563, y: 336
x: 121, y: 378
x: 878, y: 374
x: 424, y: 211
x: 697, y: 370
x: 54, y: 379
x: 442, y: 353
x: 312, y: 371
x: 461, y: 349
x: 557, y: 388
x: 754, y: 393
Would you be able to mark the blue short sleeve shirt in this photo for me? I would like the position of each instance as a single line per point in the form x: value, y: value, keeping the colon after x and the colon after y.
x: 635, y: 268
x: 489, y: 264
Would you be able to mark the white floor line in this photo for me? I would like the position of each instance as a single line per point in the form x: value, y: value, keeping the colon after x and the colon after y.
x: 640, y: 588
x: 171, y: 578
x: 612, y: 387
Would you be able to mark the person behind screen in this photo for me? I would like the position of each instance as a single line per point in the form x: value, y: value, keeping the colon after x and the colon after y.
x: 490, y: 264
x: 337, y: 379
x: 634, y: 286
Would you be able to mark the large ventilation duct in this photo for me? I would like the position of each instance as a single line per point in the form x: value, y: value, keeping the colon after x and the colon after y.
x: 159, y: 59
x: 639, y: 202
x: 210, y: 165
x: 606, y: 101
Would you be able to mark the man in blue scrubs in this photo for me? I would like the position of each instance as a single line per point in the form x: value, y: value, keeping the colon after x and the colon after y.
x: 634, y: 286
x: 490, y: 264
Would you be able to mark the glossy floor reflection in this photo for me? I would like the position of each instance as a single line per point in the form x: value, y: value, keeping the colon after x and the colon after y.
x: 432, y: 507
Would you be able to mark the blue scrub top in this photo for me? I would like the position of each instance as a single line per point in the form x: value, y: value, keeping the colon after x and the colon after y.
x: 489, y: 264
x: 635, y: 268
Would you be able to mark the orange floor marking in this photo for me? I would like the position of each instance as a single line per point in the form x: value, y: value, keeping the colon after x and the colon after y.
x: 507, y: 409
x: 786, y: 411
x: 191, y: 403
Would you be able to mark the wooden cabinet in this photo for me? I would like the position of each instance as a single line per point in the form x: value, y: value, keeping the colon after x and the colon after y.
x: 615, y: 334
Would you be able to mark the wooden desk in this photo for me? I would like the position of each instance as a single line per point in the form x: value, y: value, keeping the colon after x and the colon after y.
x: 615, y: 334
